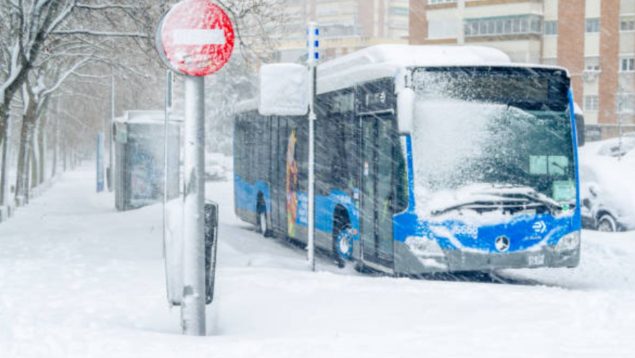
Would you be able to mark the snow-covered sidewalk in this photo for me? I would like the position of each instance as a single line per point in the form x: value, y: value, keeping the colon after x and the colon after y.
x: 78, y: 279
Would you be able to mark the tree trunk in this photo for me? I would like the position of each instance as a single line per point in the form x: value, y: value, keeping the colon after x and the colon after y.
x: 34, y: 161
x: 22, y: 168
x: 3, y: 170
x: 56, y: 143
x: 41, y: 139
x: 27, y: 175
x: 4, y: 148
x: 26, y: 135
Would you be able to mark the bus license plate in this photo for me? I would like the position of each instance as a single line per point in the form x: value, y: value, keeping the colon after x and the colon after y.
x: 536, y: 260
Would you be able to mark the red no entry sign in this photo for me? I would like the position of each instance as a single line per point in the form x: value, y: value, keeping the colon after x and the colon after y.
x: 196, y: 38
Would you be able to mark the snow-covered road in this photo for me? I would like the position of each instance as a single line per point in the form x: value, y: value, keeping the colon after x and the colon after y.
x: 78, y: 279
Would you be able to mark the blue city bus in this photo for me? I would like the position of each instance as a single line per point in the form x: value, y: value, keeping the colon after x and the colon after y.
x: 428, y: 159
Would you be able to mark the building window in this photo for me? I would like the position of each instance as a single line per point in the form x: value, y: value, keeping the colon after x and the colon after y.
x: 625, y: 103
x: 592, y: 25
x: 627, y: 64
x: 551, y: 27
x: 627, y: 24
x: 442, y: 29
x: 591, y: 103
x: 592, y: 64
x: 504, y: 25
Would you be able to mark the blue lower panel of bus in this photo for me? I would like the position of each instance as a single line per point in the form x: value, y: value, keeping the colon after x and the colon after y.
x: 523, y: 234
x: 297, y: 205
x: 325, y: 206
x: 246, y: 194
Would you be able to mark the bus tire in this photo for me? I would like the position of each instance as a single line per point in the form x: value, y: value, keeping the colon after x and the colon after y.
x: 343, y: 244
x: 262, y: 222
x: 606, y: 223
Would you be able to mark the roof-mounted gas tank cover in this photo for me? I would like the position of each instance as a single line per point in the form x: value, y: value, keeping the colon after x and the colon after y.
x: 405, y: 110
x: 284, y: 89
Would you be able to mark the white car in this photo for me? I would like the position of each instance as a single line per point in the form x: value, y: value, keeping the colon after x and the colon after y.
x: 607, y: 190
x: 217, y: 167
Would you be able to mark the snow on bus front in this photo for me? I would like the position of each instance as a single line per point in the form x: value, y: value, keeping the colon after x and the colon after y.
x: 494, y: 168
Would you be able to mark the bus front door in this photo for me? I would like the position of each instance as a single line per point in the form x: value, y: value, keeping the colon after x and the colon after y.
x: 376, y: 183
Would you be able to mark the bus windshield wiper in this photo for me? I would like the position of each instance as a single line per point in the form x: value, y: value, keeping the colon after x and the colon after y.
x: 466, y: 205
x: 544, y: 200
x: 512, y: 199
x: 504, y: 204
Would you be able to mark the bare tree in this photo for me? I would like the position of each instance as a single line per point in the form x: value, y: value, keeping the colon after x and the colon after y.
x: 31, y: 28
x: 42, y: 40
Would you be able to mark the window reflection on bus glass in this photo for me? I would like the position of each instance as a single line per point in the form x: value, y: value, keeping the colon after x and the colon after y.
x: 495, y: 127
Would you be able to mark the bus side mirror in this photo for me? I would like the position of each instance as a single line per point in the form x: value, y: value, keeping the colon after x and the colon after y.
x: 579, y: 127
x: 284, y: 90
x: 406, y: 110
x: 593, y: 190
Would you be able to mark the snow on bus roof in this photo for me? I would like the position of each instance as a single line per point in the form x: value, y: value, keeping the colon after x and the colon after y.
x: 246, y: 105
x: 383, y: 61
x: 420, y: 56
x: 388, y: 60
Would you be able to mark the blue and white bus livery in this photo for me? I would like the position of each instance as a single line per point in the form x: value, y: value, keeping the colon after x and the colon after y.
x: 428, y: 159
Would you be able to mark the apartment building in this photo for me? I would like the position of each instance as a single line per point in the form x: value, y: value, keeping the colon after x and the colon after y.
x: 345, y: 25
x: 594, y: 39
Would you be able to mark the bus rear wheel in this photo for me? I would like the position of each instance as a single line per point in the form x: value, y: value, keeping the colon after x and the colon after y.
x: 262, y: 223
x: 343, y: 245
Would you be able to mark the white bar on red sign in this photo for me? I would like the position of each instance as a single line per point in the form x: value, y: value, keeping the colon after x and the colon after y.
x: 199, y: 37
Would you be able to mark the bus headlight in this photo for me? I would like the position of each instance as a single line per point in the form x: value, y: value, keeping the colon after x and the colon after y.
x: 569, y: 242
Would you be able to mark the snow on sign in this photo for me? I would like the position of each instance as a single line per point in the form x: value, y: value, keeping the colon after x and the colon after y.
x: 196, y: 38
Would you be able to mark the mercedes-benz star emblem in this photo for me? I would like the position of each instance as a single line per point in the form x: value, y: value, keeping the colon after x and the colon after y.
x: 502, y: 243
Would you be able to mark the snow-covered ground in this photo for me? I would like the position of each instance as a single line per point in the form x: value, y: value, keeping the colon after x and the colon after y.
x: 78, y: 279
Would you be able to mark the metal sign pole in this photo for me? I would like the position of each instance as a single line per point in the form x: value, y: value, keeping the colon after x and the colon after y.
x: 313, y: 56
x: 111, y: 148
x: 193, y: 304
x: 168, y: 105
x: 203, y: 31
x: 100, y: 162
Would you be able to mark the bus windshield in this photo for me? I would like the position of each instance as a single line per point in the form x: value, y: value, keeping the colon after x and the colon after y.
x: 486, y: 135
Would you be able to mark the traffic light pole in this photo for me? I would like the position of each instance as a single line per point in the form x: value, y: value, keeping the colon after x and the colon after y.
x: 193, y: 303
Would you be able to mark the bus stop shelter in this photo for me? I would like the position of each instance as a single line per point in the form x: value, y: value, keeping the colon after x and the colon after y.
x: 139, y: 158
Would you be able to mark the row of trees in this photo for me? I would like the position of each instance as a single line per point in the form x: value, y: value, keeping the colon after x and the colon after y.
x: 60, y: 58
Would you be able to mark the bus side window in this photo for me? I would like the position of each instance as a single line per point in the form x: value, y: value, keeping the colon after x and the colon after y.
x: 302, y: 152
x: 240, y: 147
x: 351, y: 129
x: 251, y: 148
x: 401, y: 175
x: 339, y: 163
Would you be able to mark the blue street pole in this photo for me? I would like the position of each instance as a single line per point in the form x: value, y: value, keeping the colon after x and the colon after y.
x: 100, y: 162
